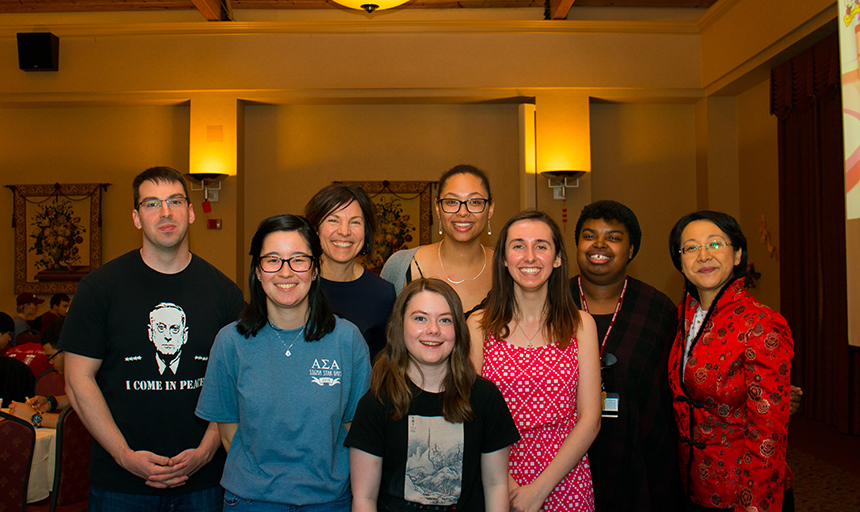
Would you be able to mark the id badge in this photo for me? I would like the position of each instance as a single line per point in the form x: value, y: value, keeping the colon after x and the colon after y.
x: 610, y: 405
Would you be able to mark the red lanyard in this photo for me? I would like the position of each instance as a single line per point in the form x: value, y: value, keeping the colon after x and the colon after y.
x: 614, y: 315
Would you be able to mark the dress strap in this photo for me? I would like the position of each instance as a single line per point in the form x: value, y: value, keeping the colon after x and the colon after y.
x: 409, y: 275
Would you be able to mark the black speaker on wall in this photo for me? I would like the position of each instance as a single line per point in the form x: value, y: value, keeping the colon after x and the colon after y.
x: 38, y: 51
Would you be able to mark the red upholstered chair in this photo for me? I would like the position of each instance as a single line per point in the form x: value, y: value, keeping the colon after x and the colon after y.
x: 71, y: 473
x: 28, y: 336
x: 50, y: 383
x: 17, y: 442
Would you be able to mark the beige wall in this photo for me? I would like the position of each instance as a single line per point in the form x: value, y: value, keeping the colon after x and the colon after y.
x: 644, y: 157
x: 292, y: 151
x: 759, y: 186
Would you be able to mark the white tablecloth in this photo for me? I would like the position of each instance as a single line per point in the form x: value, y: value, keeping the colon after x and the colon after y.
x: 42, y: 470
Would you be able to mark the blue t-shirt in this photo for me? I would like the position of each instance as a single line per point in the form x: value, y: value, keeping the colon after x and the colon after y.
x: 288, y: 447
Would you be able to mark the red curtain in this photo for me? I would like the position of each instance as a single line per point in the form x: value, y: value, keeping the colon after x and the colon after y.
x: 806, y: 98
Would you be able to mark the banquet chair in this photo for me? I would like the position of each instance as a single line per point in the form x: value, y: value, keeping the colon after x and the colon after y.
x: 17, y: 381
x: 28, y: 336
x: 71, y: 473
x: 50, y: 383
x: 17, y: 442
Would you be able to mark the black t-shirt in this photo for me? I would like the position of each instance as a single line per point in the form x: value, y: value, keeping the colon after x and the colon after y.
x: 153, y: 333
x: 426, y: 459
x: 366, y: 302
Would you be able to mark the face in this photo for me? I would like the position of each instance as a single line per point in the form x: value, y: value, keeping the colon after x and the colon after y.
x: 31, y: 308
x: 5, y: 339
x: 464, y: 226
x: 603, y: 251
x: 530, y: 254
x: 166, y: 227
x: 428, y: 329
x: 342, y: 233
x: 58, y: 358
x: 63, y: 308
x: 167, y: 330
x: 708, y: 269
x: 285, y: 288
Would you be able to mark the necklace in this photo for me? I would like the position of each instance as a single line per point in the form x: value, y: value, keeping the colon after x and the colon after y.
x: 278, y: 334
x: 530, y: 343
x: 439, y: 252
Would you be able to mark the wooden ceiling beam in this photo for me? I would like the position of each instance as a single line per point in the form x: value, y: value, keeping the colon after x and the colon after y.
x: 25, y: 6
x: 558, y: 9
x: 210, y: 9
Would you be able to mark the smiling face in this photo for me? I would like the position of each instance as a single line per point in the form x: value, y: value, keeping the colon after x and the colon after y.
x: 165, y: 228
x: 285, y: 289
x: 530, y: 255
x: 342, y: 233
x: 603, y: 251
x: 428, y: 330
x: 462, y: 225
x: 708, y: 269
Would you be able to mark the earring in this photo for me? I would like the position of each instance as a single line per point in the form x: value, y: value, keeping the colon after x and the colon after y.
x: 489, y: 229
x: 440, y: 226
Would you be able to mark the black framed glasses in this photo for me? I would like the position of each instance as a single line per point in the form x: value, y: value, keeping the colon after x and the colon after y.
x: 55, y: 354
x: 155, y: 204
x: 473, y: 205
x: 271, y: 263
x: 712, y: 246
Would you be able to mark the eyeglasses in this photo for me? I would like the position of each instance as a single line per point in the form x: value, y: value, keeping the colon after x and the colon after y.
x: 712, y: 246
x: 271, y: 264
x: 55, y: 354
x: 151, y: 205
x: 474, y: 205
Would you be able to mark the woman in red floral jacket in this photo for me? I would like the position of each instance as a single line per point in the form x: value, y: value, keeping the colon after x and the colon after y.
x: 729, y: 373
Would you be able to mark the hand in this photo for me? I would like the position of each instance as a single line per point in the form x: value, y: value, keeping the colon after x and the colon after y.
x: 21, y: 410
x: 40, y: 403
x: 180, y: 467
x: 145, y: 465
x: 794, y: 405
x: 527, y: 498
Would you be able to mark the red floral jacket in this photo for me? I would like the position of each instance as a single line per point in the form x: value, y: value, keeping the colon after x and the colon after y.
x: 732, y: 406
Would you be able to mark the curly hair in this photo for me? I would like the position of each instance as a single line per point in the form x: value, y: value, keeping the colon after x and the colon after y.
x: 609, y: 210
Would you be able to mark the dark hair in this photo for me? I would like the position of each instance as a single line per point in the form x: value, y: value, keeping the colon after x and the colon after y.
x: 51, y: 334
x: 562, y: 315
x: 466, y: 169
x: 58, y: 298
x: 609, y: 210
x: 389, y: 371
x: 6, y: 323
x: 254, y: 317
x: 160, y: 174
x: 336, y: 196
x: 727, y: 225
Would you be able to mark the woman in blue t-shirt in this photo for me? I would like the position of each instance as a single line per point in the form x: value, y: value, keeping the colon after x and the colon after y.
x: 284, y: 381
x: 430, y: 434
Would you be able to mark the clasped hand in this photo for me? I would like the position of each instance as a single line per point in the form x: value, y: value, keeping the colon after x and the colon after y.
x: 163, y: 472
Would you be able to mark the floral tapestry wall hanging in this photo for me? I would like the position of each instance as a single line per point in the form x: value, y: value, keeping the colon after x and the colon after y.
x: 57, y: 235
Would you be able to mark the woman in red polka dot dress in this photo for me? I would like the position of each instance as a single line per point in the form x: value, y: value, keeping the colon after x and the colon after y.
x: 541, y: 352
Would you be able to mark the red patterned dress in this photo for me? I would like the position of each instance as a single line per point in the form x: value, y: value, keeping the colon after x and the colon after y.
x: 539, y: 386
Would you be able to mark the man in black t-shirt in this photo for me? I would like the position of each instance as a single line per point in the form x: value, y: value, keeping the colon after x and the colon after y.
x: 134, y: 320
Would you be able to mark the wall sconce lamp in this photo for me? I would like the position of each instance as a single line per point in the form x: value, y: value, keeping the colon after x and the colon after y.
x: 558, y: 181
x: 371, y: 5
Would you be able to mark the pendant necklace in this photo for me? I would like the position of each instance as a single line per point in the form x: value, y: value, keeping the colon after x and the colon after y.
x: 530, y: 343
x: 439, y: 252
x: 287, y: 353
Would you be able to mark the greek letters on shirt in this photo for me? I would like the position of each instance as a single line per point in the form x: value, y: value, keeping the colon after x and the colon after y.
x: 325, y: 372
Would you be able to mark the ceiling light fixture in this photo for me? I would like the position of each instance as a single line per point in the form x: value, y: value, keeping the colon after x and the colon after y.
x: 371, y: 5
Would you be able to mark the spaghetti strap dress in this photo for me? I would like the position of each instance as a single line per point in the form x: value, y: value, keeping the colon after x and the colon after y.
x: 539, y: 385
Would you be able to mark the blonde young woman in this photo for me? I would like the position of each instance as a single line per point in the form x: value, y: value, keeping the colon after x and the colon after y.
x: 542, y: 353
x: 464, y: 208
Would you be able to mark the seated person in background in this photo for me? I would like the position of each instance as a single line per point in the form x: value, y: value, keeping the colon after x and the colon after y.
x: 47, y: 408
x: 28, y: 305
x: 59, y: 306
x: 32, y: 354
x: 7, y: 328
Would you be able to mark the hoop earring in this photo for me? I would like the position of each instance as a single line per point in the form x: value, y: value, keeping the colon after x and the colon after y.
x: 440, y: 225
x: 489, y: 229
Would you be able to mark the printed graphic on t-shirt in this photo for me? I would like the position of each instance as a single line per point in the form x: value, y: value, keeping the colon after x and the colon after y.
x: 326, y: 372
x: 434, y: 461
x: 168, y: 332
